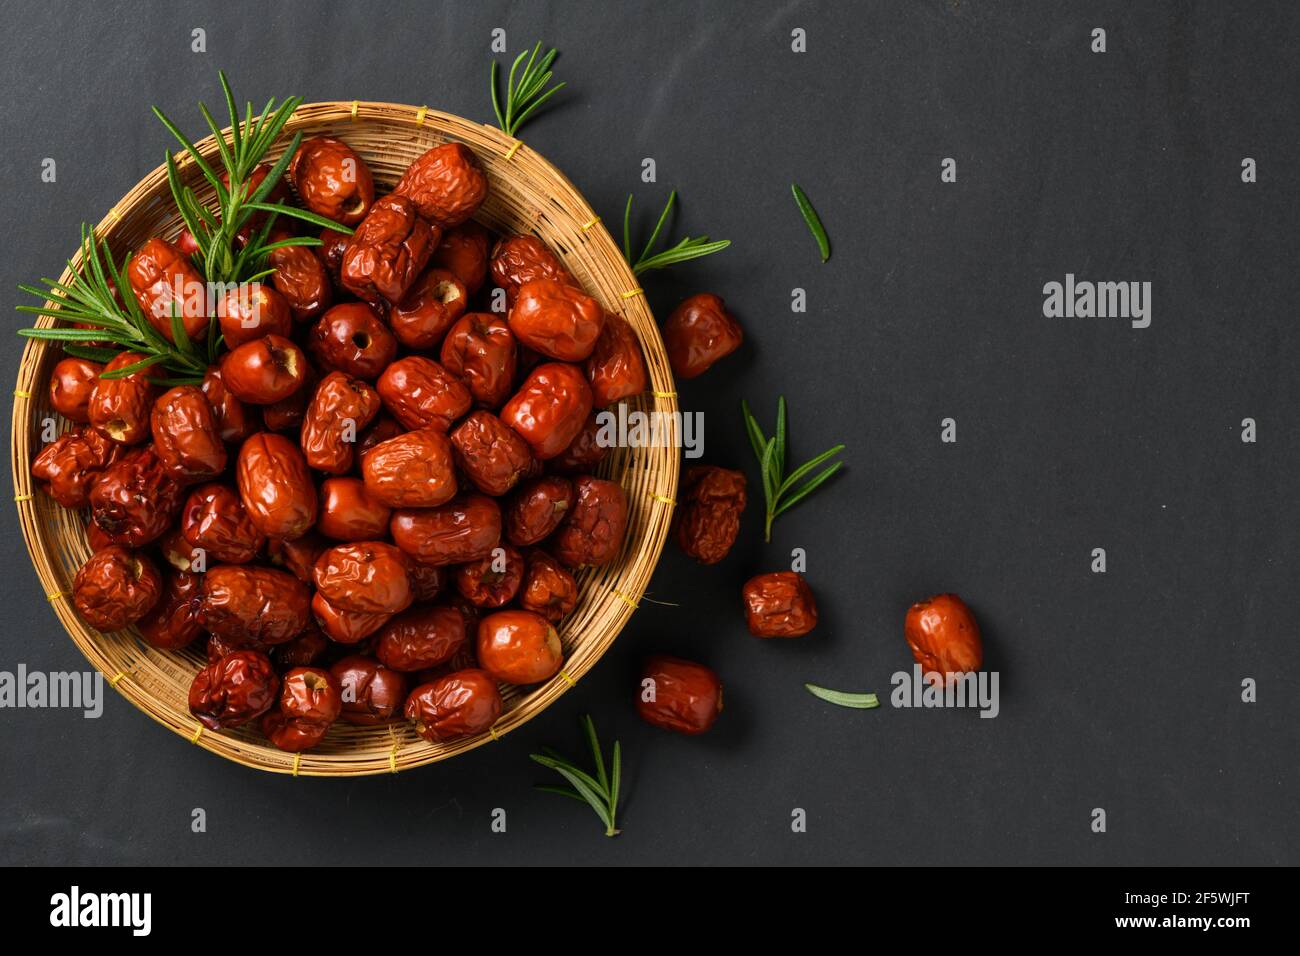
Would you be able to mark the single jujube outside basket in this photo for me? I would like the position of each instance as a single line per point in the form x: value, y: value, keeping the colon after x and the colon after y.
x: 526, y: 195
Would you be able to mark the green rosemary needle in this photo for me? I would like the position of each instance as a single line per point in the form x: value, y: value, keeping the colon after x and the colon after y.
x: 685, y: 249
x: 526, y: 92
x: 599, y: 791
x: 781, y: 492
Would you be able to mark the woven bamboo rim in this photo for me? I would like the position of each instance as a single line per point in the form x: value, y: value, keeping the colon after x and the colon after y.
x: 527, y: 194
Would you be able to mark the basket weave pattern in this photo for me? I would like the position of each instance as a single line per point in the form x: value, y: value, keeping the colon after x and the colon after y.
x: 527, y: 195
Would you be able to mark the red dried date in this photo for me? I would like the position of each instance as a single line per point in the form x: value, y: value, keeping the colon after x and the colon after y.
x: 429, y: 309
x: 252, y: 310
x: 537, y: 509
x: 345, y: 627
x: 464, y: 253
x: 679, y: 695
x: 119, y: 407
x: 465, y: 529
x: 519, y: 647
x: 492, y: 581
x: 71, y: 384
x: 349, y: 513
x: 388, y: 251
x: 115, y: 588
x: 174, y: 621
x: 245, y: 602
x: 310, y: 700
x: 593, y: 531
x: 616, y: 368
x: 135, y: 500
x: 698, y: 333
x: 480, y: 350
x: 276, y: 486
x: 420, y: 638
x: 420, y: 393
x: 779, y: 604
x: 550, y: 408
x: 414, y: 470
x: 214, y: 519
x: 68, y: 467
x: 461, y: 703
x: 234, y: 689
x: 492, y: 455
x: 372, y: 693
x: 446, y: 184
x: 708, y: 520
x: 235, y: 420
x: 556, y: 319
x: 265, y: 370
x: 186, y: 436
x: 366, y: 577
x: 301, y: 278
x: 518, y: 260
x: 351, y: 339
x: 548, y: 589
x: 332, y: 180
x: 339, y: 410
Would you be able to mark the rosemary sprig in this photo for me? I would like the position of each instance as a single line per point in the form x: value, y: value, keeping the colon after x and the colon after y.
x: 88, y: 298
x: 781, y: 491
x: 813, y: 220
x: 526, y: 93
x: 237, y: 198
x: 687, y: 248
x: 841, y: 699
x: 600, y: 791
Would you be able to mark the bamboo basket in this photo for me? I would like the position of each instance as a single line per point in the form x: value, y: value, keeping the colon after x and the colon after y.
x: 527, y: 194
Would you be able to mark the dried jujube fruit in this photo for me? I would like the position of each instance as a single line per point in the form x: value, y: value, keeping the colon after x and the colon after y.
x: 115, y: 588
x: 679, y: 695
x: 779, y: 604
x: 234, y: 689
x: 459, y: 704
x: 944, y: 637
x: 519, y: 647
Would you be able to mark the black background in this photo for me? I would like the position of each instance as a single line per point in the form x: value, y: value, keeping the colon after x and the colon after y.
x: 1119, y: 691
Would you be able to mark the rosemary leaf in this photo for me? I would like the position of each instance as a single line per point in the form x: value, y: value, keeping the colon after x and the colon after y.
x: 782, y: 492
x: 800, y: 494
x: 687, y: 248
x: 600, y: 792
x: 526, y: 91
x: 813, y: 220
x: 841, y: 699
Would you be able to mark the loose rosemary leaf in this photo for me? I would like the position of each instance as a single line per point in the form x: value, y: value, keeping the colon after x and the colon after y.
x: 813, y: 220
x: 841, y: 699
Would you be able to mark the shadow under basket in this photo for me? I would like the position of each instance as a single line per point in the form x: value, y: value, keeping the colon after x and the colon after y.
x: 527, y: 195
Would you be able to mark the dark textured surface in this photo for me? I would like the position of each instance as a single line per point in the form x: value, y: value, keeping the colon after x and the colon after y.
x: 1118, y: 691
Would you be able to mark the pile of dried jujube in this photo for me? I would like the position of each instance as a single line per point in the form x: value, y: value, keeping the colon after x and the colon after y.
x: 374, y: 502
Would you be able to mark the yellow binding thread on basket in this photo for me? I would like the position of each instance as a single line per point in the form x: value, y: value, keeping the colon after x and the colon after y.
x: 589, y: 223
x: 664, y: 394
x: 567, y: 679
x: 510, y: 154
x: 627, y: 600
x: 355, y: 105
x: 55, y: 595
x: 113, y: 214
x: 420, y: 114
x: 392, y: 758
x: 116, y: 678
x: 634, y: 293
x: 297, y: 762
x: 22, y: 497
x: 197, y: 734
x: 667, y: 501
x: 492, y: 732
x: 21, y: 394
